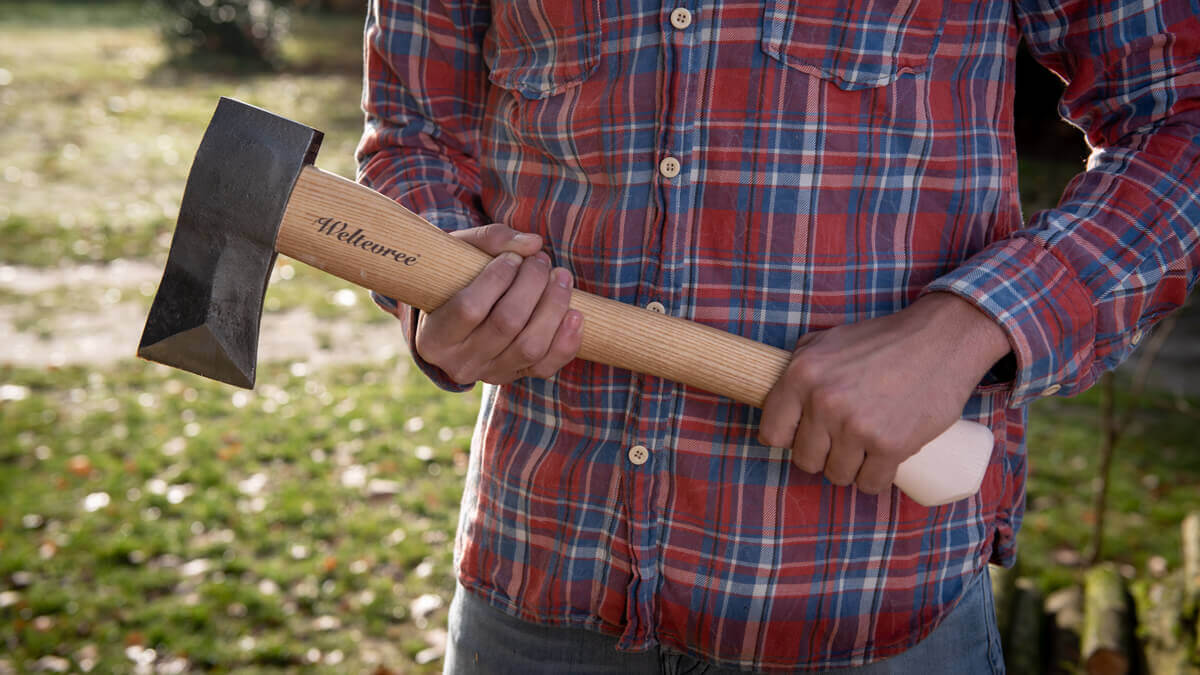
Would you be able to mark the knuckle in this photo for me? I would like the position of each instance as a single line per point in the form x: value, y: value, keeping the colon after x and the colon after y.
x: 869, y: 487
x: 811, y: 466
x: 431, y: 350
x: 469, y: 310
x: 543, y: 370
x: 460, y: 374
x: 496, y: 234
x: 826, y: 401
x: 775, y: 433
x: 838, y: 479
x: 885, y: 444
x: 860, y: 428
x: 506, y: 323
x: 805, y: 370
x: 878, y: 439
x: 809, y: 463
x: 531, y: 350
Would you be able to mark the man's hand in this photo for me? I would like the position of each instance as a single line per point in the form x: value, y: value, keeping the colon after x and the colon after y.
x: 512, y: 321
x: 859, y: 399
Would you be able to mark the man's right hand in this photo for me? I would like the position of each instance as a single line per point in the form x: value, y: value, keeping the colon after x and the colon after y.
x: 512, y: 321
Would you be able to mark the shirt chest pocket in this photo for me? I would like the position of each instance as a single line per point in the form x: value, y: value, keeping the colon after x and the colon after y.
x: 541, y: 47
x: 856, y: 44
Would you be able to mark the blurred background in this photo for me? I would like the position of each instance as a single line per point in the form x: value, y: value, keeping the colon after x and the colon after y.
x: 154, y: 522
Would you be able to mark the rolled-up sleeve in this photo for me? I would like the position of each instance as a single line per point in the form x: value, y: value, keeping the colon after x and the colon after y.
x: 423, y: 100
x: 1078, y: 287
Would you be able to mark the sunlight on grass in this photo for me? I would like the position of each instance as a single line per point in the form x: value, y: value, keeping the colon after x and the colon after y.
x: 99, y: 134
x: 147, y: 508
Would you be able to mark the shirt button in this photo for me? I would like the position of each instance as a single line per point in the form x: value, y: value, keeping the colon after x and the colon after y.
x: 1052, y: 390
x: 656, y: 307
x: 1137, y: 337
x: 681, y: 18
x: 669, y: 167
x: 638, y: 454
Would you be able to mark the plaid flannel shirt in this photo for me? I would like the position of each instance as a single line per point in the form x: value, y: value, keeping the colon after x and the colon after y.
x: 836, y: 159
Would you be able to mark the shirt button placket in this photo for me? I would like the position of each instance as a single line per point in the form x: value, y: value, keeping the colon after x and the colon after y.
x: 669, y: 167
x: 681, y: 18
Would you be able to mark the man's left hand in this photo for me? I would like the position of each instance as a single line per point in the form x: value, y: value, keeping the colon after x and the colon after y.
x: 859, y: 399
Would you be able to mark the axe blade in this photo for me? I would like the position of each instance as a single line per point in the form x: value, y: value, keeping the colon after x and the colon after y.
x: 205, y: 316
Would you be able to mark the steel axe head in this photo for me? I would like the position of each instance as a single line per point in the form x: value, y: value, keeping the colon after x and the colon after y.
x: 206, y: 314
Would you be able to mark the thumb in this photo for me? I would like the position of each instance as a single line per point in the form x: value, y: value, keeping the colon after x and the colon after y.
x: 498, y: 238
x: 805, y: 340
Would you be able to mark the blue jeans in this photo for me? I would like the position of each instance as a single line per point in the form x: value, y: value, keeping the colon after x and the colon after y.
x: 485, y: 640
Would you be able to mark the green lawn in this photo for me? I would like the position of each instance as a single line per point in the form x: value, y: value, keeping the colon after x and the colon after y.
x: 98, y: 134
x: 152, y: 516
x: 308, y: 521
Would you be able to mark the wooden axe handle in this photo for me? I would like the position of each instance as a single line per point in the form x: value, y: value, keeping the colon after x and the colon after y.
x: 355, y: 233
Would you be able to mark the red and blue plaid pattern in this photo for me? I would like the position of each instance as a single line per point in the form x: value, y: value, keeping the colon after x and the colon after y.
x: 839, y: 158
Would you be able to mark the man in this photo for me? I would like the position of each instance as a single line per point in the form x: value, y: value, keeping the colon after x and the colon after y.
x: 835, y: 176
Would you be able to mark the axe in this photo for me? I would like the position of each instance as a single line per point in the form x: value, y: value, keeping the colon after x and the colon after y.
x: 253, y: 192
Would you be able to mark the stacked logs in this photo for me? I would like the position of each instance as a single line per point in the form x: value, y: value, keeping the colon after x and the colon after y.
x: 1104, y: 626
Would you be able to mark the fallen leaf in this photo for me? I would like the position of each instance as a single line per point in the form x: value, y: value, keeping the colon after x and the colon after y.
x: 230, y: 451
x: 80, y: 465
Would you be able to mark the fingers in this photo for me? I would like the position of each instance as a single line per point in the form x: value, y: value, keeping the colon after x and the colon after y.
x: 812, y: 445
x: 512, y: 320
x: 511, y: 311
x: 539, y: 339
x: 465, y: 311
x: 817, y: 415
x: 783, y: 407
x: 498, y: 238
x: 563, y: 347
x: 553, y: 333
x: 876, y: 475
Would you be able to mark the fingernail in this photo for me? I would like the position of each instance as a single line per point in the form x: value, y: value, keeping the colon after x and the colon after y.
x: 574, y: 320
x: 542, y: 258
x: 562, y: 277
x: 525, y: 238
x: 509, y: 258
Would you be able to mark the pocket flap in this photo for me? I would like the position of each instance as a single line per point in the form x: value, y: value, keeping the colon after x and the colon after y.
x: 540, y: 47
x: 854, y: 43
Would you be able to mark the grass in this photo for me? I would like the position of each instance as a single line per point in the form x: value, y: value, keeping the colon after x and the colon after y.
x: 1154, y: 479
x: 99, y: 133
x: 150, y: 509
x: 156, y: 510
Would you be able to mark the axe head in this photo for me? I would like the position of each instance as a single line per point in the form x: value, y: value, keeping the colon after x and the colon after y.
x: 206, y: 314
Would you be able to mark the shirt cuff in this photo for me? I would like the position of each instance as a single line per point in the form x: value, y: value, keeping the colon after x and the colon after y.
x: 1046, y: 312
x: 447, y: 219
x: 408, y: 321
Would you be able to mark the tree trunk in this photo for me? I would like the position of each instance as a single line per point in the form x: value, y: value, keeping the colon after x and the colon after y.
x: 1003, y: 580
x: 1110, y: 434
x: 1191, y: 563
x: 1024, y: 653
x: 1065, y: 609
x: 1106, y: 615
x: 1161, y: 633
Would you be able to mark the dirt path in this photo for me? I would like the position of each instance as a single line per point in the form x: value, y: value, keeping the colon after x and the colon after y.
x: 110, y: 333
